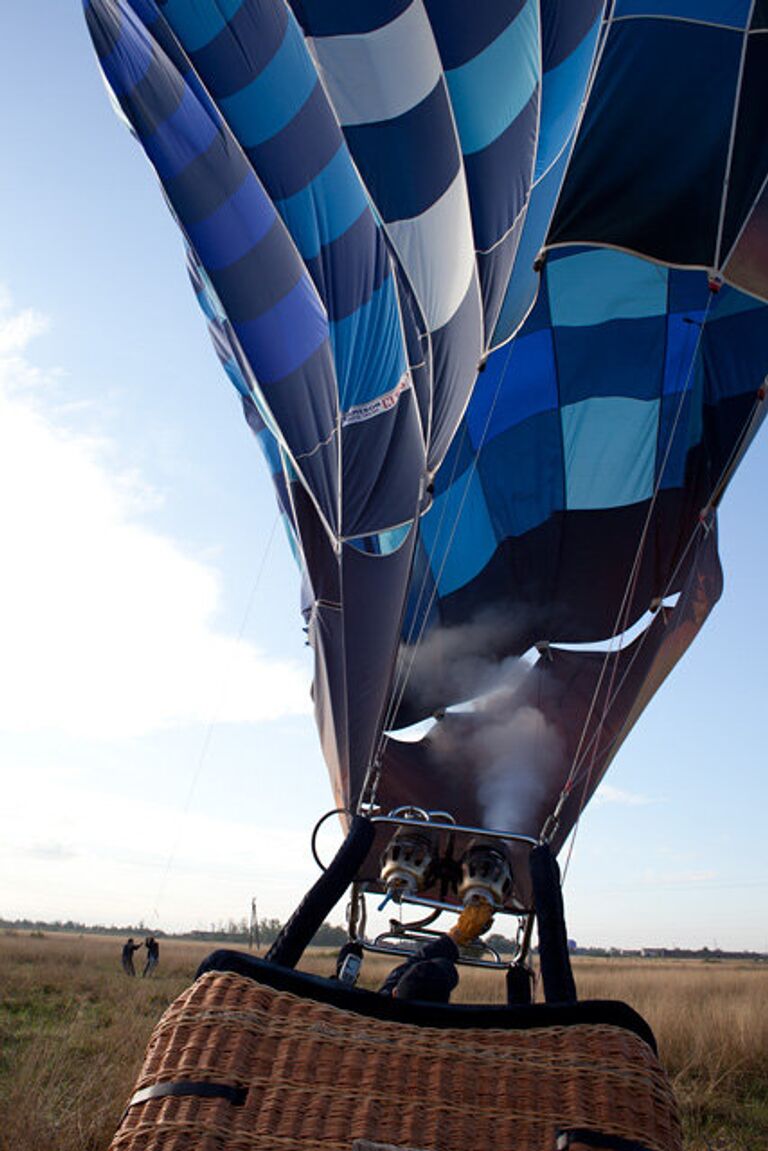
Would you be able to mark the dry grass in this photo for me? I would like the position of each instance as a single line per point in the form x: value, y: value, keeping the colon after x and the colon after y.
x: 73, y: 1030
x: 711, y: 1021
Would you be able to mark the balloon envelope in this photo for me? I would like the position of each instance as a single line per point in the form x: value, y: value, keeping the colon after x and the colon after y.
x: 490, y: 281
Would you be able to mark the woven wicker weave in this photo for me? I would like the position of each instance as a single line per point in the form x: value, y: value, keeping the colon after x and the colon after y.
x: 318, y: 1077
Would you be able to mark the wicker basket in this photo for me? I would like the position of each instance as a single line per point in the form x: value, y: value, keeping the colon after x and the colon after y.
x: 291, y: 1073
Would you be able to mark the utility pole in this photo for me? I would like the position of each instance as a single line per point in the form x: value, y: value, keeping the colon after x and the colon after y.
x: 253, y: 931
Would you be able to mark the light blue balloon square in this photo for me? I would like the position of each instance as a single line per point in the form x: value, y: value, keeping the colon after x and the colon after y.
x: 609, y: 446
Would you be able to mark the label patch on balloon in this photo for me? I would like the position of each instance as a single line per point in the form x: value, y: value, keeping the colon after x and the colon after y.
x: 378, y: 406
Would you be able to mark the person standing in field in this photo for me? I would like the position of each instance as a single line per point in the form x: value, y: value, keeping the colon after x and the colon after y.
x: 153, y: 955
x: 128, y: 950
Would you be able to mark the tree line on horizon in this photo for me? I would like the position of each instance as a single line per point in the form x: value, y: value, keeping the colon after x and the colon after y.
x: 330, y: 935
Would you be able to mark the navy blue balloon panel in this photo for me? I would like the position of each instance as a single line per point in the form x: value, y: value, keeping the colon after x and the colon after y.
x: 577, y: 504
x: 676, y: 126
x: 551, y: 728
x: 590, y: 447
x: 462, y: 265
x: 292, y: 272
x: 442, y: 109
x: 227, y: 216
x: 352, y: 182
x: 569, y: 36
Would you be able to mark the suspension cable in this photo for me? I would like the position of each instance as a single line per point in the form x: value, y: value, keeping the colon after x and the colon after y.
x: 704, y: 525
x: 612, y: 692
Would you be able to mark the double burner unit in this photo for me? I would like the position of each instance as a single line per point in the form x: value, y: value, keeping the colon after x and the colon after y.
x: 427, y: 860
x: 411, y: 863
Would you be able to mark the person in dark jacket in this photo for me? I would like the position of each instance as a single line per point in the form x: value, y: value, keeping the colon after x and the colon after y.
x: 153, y: 956
x: 430, y: 974
x: 128, y: 950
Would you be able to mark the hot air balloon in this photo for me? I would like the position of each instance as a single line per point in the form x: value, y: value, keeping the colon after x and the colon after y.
x: 490, y: 281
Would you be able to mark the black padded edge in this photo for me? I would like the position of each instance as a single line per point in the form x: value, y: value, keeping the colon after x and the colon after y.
x: 459, y: 1015
x: 324, y: 894
x: 554, y: 959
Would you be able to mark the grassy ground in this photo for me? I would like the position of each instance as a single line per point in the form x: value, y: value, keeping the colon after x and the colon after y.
x: 73, y: 1030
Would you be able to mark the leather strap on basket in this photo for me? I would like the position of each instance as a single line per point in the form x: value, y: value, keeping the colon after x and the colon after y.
x: 234, y: 1095
x: 580, y: 1139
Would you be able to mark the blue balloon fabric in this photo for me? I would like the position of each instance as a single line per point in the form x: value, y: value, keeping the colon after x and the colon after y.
x: 490, y: 282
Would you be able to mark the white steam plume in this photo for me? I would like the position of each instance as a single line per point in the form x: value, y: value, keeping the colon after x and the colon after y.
x: 517, y: 752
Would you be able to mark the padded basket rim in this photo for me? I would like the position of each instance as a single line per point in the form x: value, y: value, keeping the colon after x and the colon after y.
x: 605, y: 1012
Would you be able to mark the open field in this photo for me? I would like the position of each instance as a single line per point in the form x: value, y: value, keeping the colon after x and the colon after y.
x: 73, y: 1030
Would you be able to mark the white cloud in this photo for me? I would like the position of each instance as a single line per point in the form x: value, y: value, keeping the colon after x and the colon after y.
x: 144, y: 832
x: 606, y: 793
x: 108, y: 628
x: 104, y: 861
x: 17, y: 329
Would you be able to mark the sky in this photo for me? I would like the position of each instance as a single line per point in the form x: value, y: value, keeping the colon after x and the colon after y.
x: 158, y: 754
